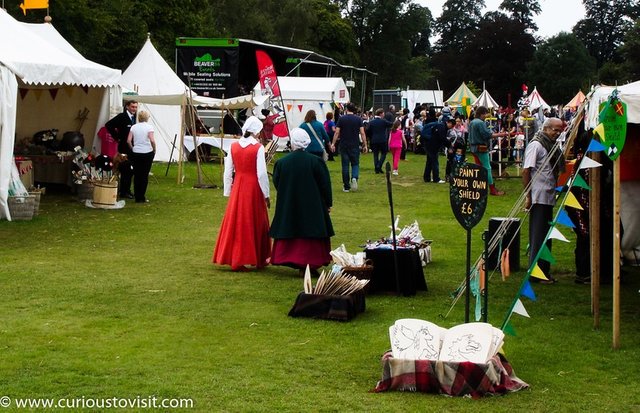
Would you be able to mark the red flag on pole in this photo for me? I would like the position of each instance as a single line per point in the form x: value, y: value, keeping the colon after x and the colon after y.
x: 269, y: 86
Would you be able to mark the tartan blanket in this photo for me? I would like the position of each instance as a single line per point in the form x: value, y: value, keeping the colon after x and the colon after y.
x: 453, y: 379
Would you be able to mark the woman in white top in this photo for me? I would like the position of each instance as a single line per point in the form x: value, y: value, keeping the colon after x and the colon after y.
x: 143, y: 146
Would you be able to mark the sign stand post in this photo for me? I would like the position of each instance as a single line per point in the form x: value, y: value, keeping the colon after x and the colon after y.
x: 468, y: 193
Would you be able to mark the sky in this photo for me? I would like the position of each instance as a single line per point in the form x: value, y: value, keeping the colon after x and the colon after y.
x: 557, y: 15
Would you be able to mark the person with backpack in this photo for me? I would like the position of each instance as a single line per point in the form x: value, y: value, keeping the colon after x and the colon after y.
x: 433, y: 136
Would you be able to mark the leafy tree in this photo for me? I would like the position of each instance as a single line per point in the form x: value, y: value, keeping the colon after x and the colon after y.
x: 496, y: 54
x: 603, y: 28
x: 560, y: 66
x: 457, y: 20
x: 630, y: 51
x: 522, y: 12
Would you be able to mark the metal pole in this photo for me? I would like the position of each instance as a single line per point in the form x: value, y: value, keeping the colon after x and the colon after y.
x: 393, y: 228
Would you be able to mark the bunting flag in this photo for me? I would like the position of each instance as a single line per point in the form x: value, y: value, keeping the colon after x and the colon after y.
x: 527, y: 291
x: 599, y: 130
x: 572, y: 202
x: 321, y: 104
x: 289, y: 107
x: 579, y: 182
x: 588, y: 163
x: 563, y: 218
x: 560, y: 188
x: 536, y: 272
x: 85, y: 89
x: 545, y: 254
x: 33, y: 4
x: 300, y: 108
x: 519, y: 309
x: 508, y: 329
x: 595, y: 146
x: 556, y: 234
x: 23, y: 93
x: 53, y: 93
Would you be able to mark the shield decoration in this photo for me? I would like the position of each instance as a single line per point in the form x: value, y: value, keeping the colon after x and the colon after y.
x: 468, y: 191
x: 613, y: 117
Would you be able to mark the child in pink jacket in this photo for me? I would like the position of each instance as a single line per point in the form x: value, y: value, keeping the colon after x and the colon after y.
x: 396, y: 143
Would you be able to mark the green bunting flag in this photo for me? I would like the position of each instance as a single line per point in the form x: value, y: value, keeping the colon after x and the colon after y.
x: 508, y: 329
x: 545, y: 254
x: 579, y: 182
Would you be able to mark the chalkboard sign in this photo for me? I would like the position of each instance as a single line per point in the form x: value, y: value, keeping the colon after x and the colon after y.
x: 468, y: 192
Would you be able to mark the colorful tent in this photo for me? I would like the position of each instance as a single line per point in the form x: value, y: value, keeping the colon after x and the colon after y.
x: 576, y: 101
x: 485, y: 100
x: 463, y: 96
x: 535, y: 101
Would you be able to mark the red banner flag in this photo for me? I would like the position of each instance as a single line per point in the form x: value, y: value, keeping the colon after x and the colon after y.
x: 269, y: 86
x: 267, y: 75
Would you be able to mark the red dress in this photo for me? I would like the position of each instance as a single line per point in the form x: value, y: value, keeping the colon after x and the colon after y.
x: 244, y: 233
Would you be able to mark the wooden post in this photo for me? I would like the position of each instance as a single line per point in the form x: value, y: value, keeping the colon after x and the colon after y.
x: 181, y: 155
x: 594, y: 236
x: 616, y: 253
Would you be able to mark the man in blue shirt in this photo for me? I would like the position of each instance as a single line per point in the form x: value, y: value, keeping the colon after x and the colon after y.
x: 350, y: 131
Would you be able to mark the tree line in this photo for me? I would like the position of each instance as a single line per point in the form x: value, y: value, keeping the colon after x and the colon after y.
x: 394, y: 38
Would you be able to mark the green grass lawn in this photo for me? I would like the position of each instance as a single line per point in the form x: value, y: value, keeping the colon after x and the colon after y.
x: 126, y: 303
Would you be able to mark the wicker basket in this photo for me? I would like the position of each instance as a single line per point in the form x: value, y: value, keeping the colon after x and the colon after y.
x: 362, y: 273
x: 21, y: 207
x: 36, y: 202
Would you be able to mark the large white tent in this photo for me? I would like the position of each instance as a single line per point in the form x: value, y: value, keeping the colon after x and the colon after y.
x: 428, y: 97
x: 301, y: 94
x: 485, y: 99
x: 55, y: 83
x: 150, y: 75
x: 535, y: 101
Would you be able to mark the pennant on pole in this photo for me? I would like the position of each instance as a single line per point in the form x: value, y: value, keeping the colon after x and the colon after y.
x: 595, y: 146
x: 599, y: 130
x: 519, y: 309
x: 527, y: 291
x: 563, y: 218
x: 571, y: 201
x: 556, y: 234
x: 545, y: 254
x: 536, y: 272
x: 589, y: 163
x: 579, y: 182
x: 33, y: 4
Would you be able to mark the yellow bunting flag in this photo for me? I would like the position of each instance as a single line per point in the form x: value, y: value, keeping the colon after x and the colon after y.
x: 33, y: 4
x: 538, y: 273
x: 571, y: 201
x: 600, y: 131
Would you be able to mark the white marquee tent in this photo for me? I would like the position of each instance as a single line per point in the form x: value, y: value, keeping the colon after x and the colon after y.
x: 55, y: 83
x: 485, y: 99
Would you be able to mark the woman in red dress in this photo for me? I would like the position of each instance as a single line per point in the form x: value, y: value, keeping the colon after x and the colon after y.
x: 244, y: 232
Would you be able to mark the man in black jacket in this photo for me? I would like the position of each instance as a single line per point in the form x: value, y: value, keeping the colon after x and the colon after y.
x: 433, y: 136
x: 379, y: 128
x: 119, y: 128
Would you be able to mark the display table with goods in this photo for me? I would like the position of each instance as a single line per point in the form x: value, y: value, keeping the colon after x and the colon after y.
x: 412, y: 253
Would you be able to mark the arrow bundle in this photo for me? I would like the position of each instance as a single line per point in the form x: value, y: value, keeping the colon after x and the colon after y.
x: 334, y: 283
